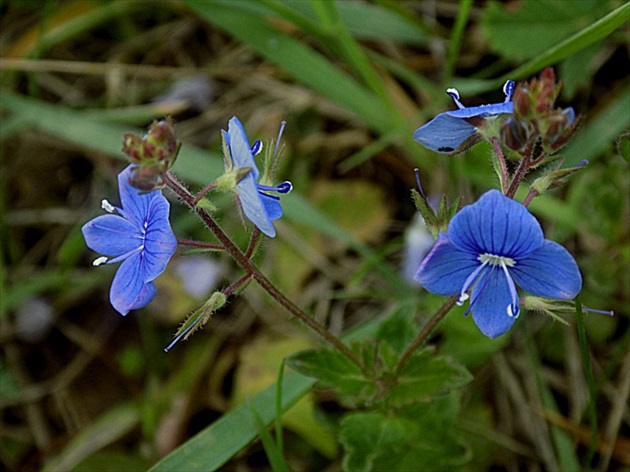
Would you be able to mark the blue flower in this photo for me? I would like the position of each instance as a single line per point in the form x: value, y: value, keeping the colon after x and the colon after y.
x: 259, y: 207
x: 140, y: 236
x: 448, y: 130
x: 490, y: 247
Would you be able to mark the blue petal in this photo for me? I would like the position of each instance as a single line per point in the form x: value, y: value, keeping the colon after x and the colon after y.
x: 135, y: 205
x: 497, y: 225
x: 240, y: 149
x: 549, y: 272
x: 445, y: 269
x: 253, y: 207
x: 129, y: 291
x: 490, y: 300
x: 444, y: 133
x: 483, y: 110
x: 570, y: 113
x: 111, y: 235
x: 160, y: 242
x: 272, y: 205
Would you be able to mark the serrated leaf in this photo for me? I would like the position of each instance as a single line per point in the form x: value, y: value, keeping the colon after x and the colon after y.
x: 421, y: 438
x: 398, y: 328
x: 333, y: 369
x: 425, y: 376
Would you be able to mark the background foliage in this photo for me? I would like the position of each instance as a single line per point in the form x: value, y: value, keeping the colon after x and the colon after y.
x: 83, y: 389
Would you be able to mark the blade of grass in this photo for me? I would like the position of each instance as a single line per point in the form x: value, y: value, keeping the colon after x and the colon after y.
x: 301, y: 61
x: 562, y: 441
x: 589, y: 35
x: 274, y: 454
x: 278, y: 420
x: 588, y: 371
x: 349, y: 48
x: 600, y: 131
x: 108, y: 428
x: 455, y: 42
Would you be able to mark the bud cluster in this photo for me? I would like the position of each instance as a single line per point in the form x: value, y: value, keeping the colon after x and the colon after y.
x: 152, y: 155
x: 535, y: 120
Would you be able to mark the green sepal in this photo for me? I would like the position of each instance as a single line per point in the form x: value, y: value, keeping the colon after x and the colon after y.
x: 554, y: 178
x: 435, y: 223
x: 205, y: 204
x: 197, y: 319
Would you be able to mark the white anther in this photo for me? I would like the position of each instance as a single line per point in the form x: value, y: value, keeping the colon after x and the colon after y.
x: 462, y: 298
x: 99, y: 261
x: 108, y: 207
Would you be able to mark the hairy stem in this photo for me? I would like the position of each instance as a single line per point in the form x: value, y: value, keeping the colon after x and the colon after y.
x: 530, y: 196
x: 424, y: 334
x: 248, y: 266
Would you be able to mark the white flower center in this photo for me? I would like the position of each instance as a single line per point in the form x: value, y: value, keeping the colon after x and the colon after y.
x: 496, y: 260
x: 502, y: 262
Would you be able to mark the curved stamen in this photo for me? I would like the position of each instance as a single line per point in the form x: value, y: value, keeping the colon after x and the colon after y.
x: 486, y: 276
x: 122, y: 257
x: 454, y: 94
x: 282, y: 125
x: 284, y: 187
x: 508, y: 90
x: 470, y: 280
x: 513, y: 308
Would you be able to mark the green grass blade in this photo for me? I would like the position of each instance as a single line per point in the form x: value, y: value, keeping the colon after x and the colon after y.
x: 305, y: 64
x: 456, y: 37
x: 274, y: 454
x: 278, y: 419
x: 350, y: 49
x: 600, y: 131
x: 215, y: 445
x: 589, y: 35
x: 598, y: 30
x: 108, y: 428
x: 590, y: 380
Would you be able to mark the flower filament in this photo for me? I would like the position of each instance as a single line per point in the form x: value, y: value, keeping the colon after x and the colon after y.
x: 475, y: 277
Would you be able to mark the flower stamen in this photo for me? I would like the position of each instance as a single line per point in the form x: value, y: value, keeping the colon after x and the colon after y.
x: 108, y: 207
x: 454, y: 94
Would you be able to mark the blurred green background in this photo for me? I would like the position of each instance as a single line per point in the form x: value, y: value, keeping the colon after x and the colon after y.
x: 82, y: 388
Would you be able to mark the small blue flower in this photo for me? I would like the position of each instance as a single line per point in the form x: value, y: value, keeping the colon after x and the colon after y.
x: 490, y: 246
x: 448, y: 130
x: 140, y: 236
x: 259, y: 207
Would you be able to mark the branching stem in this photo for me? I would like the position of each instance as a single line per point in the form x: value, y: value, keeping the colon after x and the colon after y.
x: 248, y: 266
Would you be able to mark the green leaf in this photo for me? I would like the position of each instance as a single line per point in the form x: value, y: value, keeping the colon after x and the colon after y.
x: 420, y: 438
x: 425, y: 376
x: 333, y: 369
x: 398, y: 329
